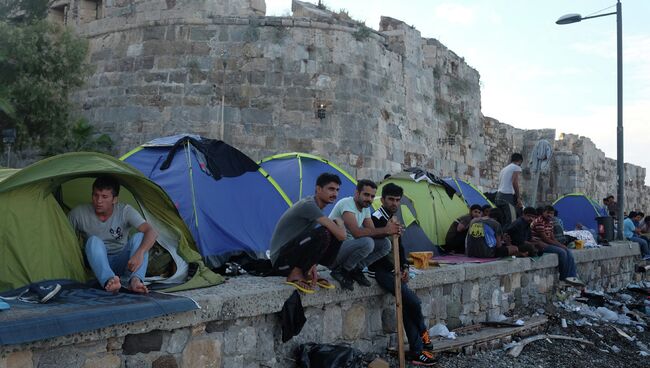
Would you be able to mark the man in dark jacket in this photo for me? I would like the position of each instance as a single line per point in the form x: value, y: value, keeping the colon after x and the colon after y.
x: 455, y: 238
x: 383, y: 269
x: 521, y: 235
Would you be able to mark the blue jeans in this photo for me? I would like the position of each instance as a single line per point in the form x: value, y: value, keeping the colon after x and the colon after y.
x: 411, y: 310
x: 361, y: 252
x: 643, y: 244
x: 106, y: 266
x: 565, y: 260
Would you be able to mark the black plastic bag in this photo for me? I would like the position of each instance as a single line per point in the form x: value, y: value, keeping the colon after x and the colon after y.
x: 313, y: 355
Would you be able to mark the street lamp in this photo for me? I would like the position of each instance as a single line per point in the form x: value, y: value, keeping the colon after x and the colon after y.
x: 620, y: 169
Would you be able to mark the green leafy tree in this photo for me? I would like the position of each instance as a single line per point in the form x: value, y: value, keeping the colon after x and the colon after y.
x: 41, y: 63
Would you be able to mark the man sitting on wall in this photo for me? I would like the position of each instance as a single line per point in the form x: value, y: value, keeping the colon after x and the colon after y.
x: 362, y: 245
x: 484, y: 238
x: 305, y: 237
x: 542, y: 229
x: 455, y: 239
x: 633, y: 233
x: 520, y: 233
x: 105, y: 225
x: 383, y: 271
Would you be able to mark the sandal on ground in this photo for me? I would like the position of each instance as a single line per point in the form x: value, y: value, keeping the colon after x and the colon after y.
x: 325, y: 284
x: 301, y: 285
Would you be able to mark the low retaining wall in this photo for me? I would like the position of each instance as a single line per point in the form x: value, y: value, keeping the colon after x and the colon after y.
x: 238, y: 324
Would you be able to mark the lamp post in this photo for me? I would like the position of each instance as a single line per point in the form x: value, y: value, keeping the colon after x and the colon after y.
x: 620, y: 169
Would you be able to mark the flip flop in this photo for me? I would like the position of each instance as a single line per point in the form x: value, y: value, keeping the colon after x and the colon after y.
x: 325, y: 284
x: 301, y: 285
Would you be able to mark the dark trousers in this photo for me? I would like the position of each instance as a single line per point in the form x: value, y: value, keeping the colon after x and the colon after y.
x: 315, y: 246
x: 411, y: 309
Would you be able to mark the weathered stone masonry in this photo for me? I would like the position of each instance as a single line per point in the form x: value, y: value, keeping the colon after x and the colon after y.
x: 239, y: 322
x: 393, y: 99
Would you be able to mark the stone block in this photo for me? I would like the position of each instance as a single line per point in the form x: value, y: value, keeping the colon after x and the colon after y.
x: 388, y: 320
x: 67, y: 356
x: 175, y: 340
x: 19, y: 359
x: 202, y: 353
x: 333, y: 323
x: 165, y: 361
x: 107, y: 361
x: 354, y: 322
x: 143, y: 343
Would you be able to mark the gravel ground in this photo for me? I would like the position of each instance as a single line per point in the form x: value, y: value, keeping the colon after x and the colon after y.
x: 610, y: 349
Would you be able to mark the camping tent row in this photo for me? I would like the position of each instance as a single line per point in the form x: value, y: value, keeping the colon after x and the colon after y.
x: 203, y: 196
x: 231, y: 204
x: 38, y: 243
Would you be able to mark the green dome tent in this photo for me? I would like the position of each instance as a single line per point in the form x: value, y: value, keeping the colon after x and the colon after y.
x: 38, y: 243
x: 435, y: 208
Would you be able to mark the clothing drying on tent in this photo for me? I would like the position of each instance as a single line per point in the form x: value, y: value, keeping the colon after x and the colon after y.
x: 470, y: 194
x: 38, y: 243
x: 578, y: 208
x: 228, y: 202
x: 296, y: 174
x: 435, y: 205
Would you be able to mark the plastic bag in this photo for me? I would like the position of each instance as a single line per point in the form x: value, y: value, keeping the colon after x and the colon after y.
x: 313, y: 355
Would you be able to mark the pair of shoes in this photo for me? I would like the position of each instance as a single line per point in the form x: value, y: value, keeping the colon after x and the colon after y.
x: 426, y: 340
x: 574, y: 281
x: 44, y: 292
x: 423, y: 358
x: 646, y: 257
x: 358, y: 276
x: 343, y: 278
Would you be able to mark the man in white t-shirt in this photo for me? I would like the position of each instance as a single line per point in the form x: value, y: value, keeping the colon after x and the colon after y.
x: 508, y: 191
x: 364, y: 243
x: 104, y: 226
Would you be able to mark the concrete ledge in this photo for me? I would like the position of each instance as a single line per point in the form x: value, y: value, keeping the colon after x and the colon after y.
x: 248, y: 297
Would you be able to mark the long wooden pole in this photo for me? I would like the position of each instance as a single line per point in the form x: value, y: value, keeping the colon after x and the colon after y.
x: 398, y: 303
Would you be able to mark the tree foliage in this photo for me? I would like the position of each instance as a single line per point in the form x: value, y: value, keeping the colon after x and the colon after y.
x: 41, y: 63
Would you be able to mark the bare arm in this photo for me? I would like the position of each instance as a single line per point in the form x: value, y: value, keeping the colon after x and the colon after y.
x: 337, y: 230
x: 148, y: 241
x: 515, y: 183
x: 460, y: 227
x: 368, y: 228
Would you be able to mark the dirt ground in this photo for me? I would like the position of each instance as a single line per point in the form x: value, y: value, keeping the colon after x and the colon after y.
x: 627, y: 310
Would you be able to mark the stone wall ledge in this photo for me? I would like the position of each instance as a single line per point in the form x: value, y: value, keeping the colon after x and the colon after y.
x: 245, y: 296
x: 105, y: 26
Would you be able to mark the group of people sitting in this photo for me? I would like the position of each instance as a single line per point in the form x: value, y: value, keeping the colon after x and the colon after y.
x: 483, y: 233
x: 350, y: 239
x: 636, y: 228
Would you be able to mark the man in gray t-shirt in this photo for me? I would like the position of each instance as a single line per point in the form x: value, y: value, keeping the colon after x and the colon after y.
x: 105, y: 226
x: 305, y: 237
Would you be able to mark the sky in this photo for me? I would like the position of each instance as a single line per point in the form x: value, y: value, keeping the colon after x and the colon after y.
x: 536, y: 74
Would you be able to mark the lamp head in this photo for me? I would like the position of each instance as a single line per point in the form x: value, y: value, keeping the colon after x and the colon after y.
x: 569, y: 18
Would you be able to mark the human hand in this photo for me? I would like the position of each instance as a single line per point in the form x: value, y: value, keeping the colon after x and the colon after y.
x: 405, y: 275
x: 393, y: 228
x: 135, y: 261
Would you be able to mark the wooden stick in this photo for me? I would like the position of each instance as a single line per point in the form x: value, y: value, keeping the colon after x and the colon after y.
x: 519, y: 348
x: 398, y: 302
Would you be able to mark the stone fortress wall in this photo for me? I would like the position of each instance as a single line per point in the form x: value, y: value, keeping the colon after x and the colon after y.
x: 392, y: 99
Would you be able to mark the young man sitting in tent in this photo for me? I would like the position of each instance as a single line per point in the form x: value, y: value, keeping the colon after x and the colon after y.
x: 542, y: 229
x: 364, y: 243
x: 383, y: 271
x: 455, y: 239
x: 105, y: 225
x: 485, y: 238
x: 305, y: 237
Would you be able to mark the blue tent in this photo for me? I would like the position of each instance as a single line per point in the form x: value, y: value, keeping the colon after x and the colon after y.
x: 296, y: 174
x: 578, y: 208
x: 470, y: 194
x: 229, y: 203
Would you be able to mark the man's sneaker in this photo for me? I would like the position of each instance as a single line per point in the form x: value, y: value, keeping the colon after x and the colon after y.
x: 45, y: 292
x: 342, y: 277
x: 358, y: 276
x: 423, y: 358
x: 574, y: 281
x: 426, y: 340
x: 646, y: 257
